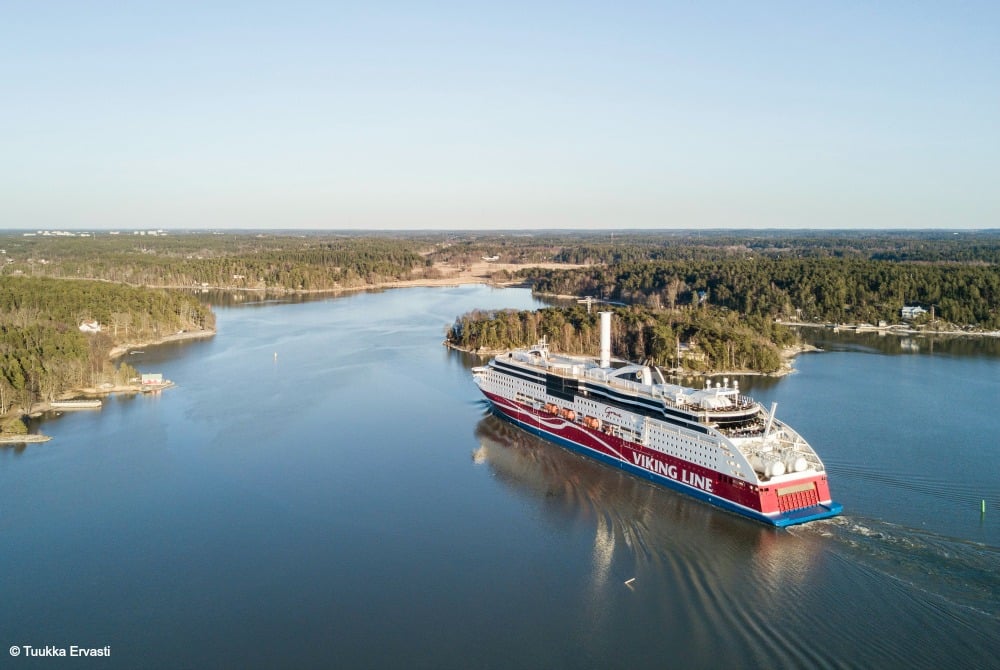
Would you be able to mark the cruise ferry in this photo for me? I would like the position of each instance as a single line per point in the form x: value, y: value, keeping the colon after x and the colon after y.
x: 713, y: 443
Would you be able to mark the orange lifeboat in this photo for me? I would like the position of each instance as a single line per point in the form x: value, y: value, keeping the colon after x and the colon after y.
x: 567, y: 414
x: 551, y: 409
x: 592, y: 423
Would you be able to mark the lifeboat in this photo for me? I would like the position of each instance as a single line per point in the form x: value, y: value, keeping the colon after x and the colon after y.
x: 592, y: 422
x: 567, y: 414
x: 551, y: 409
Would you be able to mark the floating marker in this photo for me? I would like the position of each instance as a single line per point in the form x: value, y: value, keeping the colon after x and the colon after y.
x: 983, y: 506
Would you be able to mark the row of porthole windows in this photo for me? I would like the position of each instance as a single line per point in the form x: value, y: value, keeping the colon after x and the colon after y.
x: 692, y: 454
x: 515, y: 385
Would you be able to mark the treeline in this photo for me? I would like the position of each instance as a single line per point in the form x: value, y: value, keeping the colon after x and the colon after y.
x: 824, y: 289
x: 324, y: 261
x: 925, y: 246
x: 624, y: 246
x: 703, y: 340
x: 42, y: 350
x: 259, y: 262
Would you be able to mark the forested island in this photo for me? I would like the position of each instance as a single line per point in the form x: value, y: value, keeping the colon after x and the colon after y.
x: 688, y: 340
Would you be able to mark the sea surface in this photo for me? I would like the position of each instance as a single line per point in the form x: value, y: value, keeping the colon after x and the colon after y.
x: 324, y: 487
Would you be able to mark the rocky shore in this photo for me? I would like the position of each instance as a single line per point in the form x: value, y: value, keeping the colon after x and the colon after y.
x: 900, y: 329
x: 39, y: 408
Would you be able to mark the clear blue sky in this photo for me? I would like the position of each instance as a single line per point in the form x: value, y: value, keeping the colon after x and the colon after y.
x: 499, y: 114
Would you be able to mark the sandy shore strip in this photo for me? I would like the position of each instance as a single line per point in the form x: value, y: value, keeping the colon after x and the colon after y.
x: 123, y: 349
x: 479, y: 272
x: 30, y: 438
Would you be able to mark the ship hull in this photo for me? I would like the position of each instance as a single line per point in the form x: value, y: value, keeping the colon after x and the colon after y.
x: 701, y: 483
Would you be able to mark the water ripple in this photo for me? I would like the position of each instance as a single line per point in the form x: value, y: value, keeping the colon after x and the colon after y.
x: 961, y: 572
x: 749, y: 592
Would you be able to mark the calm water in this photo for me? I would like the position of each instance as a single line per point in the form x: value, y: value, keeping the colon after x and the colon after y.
x: 324, y: 488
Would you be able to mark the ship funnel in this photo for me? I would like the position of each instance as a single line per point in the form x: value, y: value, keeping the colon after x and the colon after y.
x: 605, y: 339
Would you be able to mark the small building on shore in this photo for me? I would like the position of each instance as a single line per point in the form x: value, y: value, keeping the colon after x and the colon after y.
x: 152, y: 378
x: 909, y: 313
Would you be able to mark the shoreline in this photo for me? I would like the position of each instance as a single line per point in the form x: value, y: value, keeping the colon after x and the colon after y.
x: 86, y: 392
x: 30, y: 438
x: 482, y: 272
x: 38, y: 408
x: 895, y: 329
x: 479, y: 272
x: 121, y: 349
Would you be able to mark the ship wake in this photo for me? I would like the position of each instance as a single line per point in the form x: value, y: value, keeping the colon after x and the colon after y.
x: 958, y: 571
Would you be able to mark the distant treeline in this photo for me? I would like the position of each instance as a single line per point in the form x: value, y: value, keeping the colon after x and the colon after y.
x: 42, y: 350
x: 703, y: 340
x: 324, y: 261
x: 931, y: 247
x: 232, y: 261
x: 825, y: 289
x: 599, y: 247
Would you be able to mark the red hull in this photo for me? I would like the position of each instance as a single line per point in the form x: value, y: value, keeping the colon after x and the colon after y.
x: 767, y: 502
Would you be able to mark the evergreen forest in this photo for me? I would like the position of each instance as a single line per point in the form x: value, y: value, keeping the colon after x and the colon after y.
x: 261, y: 262
x: 839, y: 290
x: 701, y: 340
x: 43, y: 352
x: 697, y: 300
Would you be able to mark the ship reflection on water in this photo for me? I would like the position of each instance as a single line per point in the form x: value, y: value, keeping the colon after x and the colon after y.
x: 642, y: 530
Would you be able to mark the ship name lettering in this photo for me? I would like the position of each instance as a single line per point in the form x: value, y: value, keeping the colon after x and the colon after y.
x: 691, y: 479
x: 653, y: 465
x: 698, y: 481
